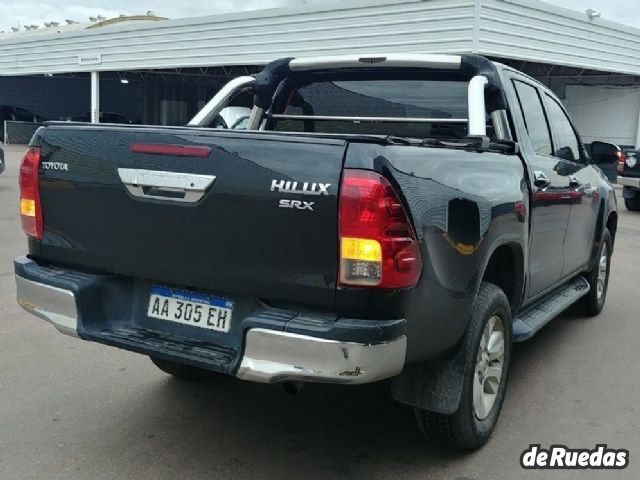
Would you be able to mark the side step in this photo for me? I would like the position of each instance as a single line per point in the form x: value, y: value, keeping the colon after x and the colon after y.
x: 532, y: 320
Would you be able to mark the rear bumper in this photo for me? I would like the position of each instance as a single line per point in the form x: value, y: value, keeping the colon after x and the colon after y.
x: 271, y: 356
x: 274, y: 345
x: 55, y: 305
x: 629, y: 182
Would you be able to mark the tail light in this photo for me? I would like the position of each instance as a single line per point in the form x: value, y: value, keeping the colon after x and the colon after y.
x: 622, y: 158
x: 378, y: 247
x: 30, y: 208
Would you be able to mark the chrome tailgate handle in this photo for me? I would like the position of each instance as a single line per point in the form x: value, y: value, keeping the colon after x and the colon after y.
x: 160, y: 185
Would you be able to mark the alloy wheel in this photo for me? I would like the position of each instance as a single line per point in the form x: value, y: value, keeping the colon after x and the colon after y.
x: 489, y: 365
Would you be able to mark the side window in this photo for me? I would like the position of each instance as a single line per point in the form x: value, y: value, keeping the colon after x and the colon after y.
x: 534, y: 117
x: 566, y: 142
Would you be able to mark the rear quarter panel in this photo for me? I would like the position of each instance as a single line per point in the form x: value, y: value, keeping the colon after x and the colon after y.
x: 463, y: 206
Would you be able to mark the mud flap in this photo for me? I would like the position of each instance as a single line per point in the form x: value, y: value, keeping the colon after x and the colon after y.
x: 436, y: 387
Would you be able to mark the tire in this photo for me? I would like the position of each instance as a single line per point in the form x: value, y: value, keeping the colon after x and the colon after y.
x: 179, y: 370
x: 594, y: 300
x: 470, y: 427
x: 633, y: 204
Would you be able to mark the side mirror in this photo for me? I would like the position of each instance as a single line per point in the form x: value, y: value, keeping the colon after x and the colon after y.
x: 605, y: 153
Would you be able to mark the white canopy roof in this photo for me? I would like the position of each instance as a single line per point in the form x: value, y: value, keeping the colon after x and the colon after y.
x: 528, y: 30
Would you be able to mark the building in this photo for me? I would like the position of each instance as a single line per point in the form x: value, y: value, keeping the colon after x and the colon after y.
x: 162, y: 72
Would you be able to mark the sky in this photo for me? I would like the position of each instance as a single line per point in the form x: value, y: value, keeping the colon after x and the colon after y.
x: 27, y: 12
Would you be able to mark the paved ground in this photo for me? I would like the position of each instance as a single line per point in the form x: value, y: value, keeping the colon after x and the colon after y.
x: 75, y: 410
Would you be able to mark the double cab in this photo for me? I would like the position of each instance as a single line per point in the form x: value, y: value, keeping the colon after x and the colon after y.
x: 402, y: 216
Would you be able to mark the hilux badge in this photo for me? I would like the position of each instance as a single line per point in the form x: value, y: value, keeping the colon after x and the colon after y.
x: 300, y: 188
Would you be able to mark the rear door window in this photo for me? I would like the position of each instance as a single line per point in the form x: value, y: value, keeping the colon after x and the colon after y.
x: 534, y: 117
x: 565, y: 139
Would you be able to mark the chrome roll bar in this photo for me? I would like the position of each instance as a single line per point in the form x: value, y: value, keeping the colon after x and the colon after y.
x: 475, y: 105
x: 477, y: 125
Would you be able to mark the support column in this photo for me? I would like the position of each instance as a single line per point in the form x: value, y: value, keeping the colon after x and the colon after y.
x: 95, y: 97
x: 637, y: 145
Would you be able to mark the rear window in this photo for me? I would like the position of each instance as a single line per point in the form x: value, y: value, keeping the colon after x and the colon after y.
x: 429, y: 105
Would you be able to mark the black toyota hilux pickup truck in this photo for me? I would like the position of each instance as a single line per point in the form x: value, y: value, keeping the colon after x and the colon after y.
x: 401, y: 217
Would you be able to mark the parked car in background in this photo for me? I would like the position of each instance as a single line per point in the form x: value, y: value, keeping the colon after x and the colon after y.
x: 398, y: 216
x: 16, y: 114
x: 105, y: 117
x: 629, y: 177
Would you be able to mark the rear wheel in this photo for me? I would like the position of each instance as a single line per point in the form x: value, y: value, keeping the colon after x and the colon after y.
x: 179, y: 370
x: 488, y: 341
x: 599, y: 277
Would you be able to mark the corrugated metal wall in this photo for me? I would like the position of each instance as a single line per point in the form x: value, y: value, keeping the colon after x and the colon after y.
x: 539, y: 32
x: 522, y: 29
x: 252, y: 38
x: 609, y: 114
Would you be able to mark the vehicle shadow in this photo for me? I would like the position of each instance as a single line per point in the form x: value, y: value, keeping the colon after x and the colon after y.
x: 225, y: 428
x: 232, y: 428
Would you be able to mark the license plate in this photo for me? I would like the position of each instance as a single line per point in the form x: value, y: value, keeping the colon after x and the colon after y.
x: 188, y: 308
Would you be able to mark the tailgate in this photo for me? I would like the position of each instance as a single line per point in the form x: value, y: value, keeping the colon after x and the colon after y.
x: 213, y: 221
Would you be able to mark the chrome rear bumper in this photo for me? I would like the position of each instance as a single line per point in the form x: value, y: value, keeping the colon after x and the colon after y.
x: 269, y: 356
x: 629, y: 182
x: 55, y: 305
x: 273, y: 356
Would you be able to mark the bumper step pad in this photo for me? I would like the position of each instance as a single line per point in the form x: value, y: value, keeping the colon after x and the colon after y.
x: 143, y: 340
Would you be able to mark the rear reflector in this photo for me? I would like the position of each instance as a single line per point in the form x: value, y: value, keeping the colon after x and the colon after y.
x: 173, y: 150
x: 30, y: 208
x: 378, y: 247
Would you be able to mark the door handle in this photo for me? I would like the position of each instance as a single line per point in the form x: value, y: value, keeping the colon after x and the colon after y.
x: 159, y: 185
x: 540, y: 180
